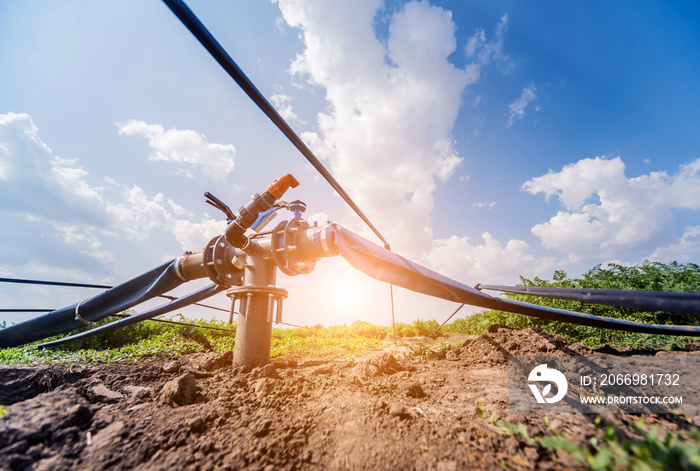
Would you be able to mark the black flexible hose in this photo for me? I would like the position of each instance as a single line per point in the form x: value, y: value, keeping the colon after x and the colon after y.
x: 146, y: 286
x: 198, y: 295
x: 666, y: 301
x: 389, y: 267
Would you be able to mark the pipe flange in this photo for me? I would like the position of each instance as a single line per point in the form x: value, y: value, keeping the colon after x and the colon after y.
x: 284, y: 248
x: 218, y: 255
x: 240, y: 291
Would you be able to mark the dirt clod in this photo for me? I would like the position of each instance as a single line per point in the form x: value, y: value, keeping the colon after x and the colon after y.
x: 98, y: 392
x: 180, y: 390
x: 415, y: 390
x: 171, y: 366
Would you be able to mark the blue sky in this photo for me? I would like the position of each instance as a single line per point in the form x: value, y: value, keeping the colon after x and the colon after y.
x: 486, y: 140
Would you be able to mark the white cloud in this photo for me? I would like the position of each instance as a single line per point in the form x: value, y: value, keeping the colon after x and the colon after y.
x: 484, y: 52
x: 392, y: 105
x: 63, y: 207
x: 607, y: 214
x: 484, y: 204
x: 87, y: 244
x: 489, y: 262
x: 284, y: 108
x: 184, y: 146
x: 518, y: 107
x: 685, y: 250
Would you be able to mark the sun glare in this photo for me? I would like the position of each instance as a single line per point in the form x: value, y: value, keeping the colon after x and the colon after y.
x: 347, y: 292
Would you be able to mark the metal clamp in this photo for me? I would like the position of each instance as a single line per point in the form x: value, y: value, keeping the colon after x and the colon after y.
x: 78, y: 317
x: 245, y: 295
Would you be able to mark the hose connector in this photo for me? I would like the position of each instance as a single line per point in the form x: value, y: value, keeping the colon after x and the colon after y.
x: 248, y: 214
x: 278, y: 187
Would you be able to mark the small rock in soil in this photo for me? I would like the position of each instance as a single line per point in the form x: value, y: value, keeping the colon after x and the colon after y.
x: 262, y: 428
x: 385, y: 363
x: 264, y: 386
x: 267, y: 371
x: 98, y: 392
x: 171, y: 367
x: 197, y: 425
x: 400, y: 411
x: 453, y: 355
x: 415, y: 390
x: 137, y: 393
x: 215, y: 361
x: 180, y: 390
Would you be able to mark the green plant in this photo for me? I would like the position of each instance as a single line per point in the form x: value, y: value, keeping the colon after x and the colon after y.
x: 646, y: 276
x: 608, y: 450
x: 275, y: 393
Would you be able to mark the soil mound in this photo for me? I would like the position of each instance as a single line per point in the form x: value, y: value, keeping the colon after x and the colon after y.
x: 495, y: 347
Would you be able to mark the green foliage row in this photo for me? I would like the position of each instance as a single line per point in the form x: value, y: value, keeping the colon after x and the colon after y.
x: 609, y: 450
x: 646, y: 276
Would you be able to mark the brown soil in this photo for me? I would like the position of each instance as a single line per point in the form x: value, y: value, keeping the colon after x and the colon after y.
x: 388, y: 410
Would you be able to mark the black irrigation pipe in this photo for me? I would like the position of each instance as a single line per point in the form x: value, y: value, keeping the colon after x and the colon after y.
x: 666, y: 301
x: 190, y: 20
x: 80, y: 285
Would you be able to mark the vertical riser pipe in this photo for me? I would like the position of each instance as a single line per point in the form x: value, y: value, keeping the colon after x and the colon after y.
x: 254, y: 330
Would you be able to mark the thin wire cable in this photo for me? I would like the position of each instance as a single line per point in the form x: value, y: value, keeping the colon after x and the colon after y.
x: 192, y: 23
x: 453, y: 314
x: 53, y: 283
x: 393, y: 324
x: 299, y: 326
x: 83, y: 285
x: 26, y: 310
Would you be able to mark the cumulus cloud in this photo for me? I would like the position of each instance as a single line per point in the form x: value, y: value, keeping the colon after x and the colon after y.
x: 607, y: 214
x: 185, y: 147
x: 488, y: 262
x: 87, y: 244
x: 68, y: 214
x: 284, y: 108
x: 685, y: 250
x: 518, y: 107
x: 387, y: 134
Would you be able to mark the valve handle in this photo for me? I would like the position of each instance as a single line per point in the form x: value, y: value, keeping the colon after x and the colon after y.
x: 220, y: 205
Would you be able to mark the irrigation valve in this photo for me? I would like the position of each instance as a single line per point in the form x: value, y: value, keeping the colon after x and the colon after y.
x: 247, y: 263
x: 259, y: 203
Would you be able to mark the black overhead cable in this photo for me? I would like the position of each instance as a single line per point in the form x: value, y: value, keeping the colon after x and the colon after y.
x: 26, y: 310
x: 188, y: 18
x: 666, y: 301
x: 80, y: 285
x: 52, y: 283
